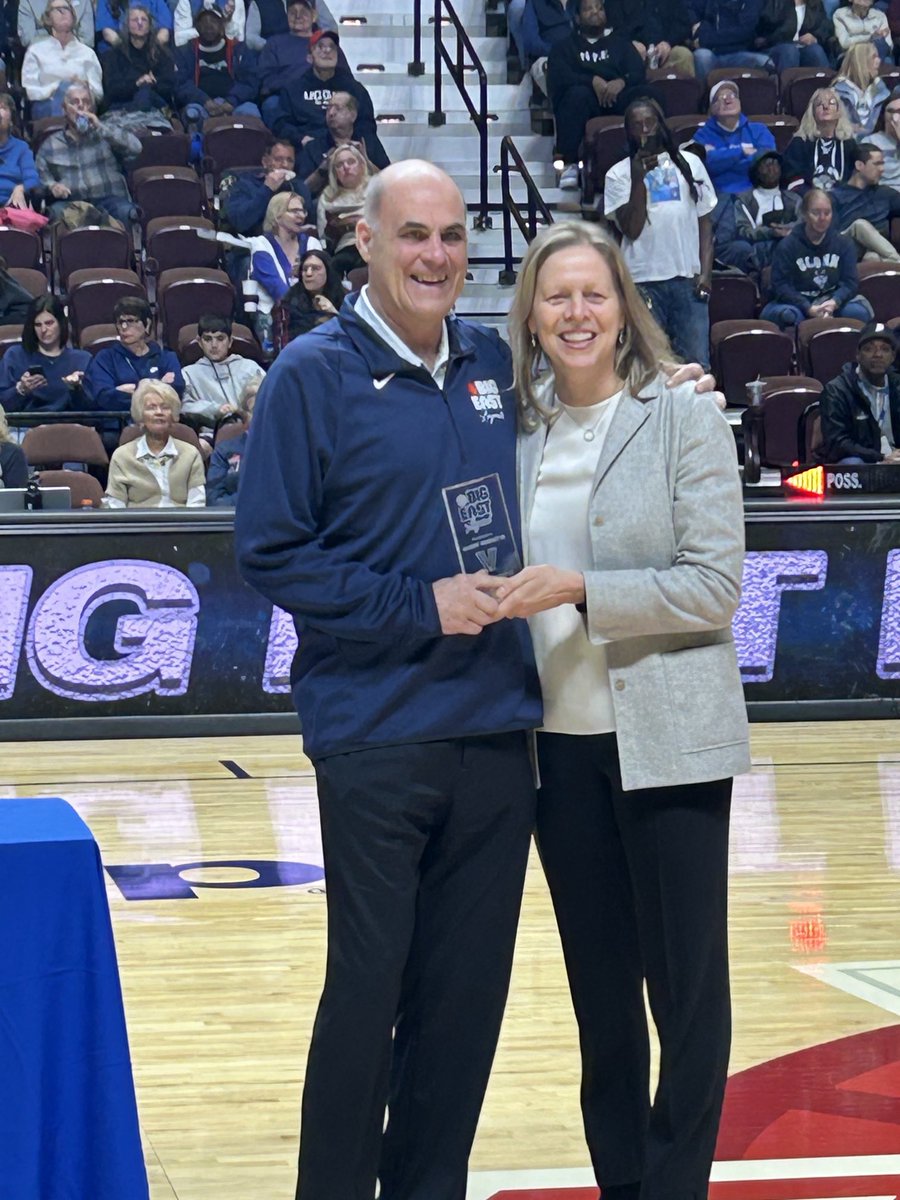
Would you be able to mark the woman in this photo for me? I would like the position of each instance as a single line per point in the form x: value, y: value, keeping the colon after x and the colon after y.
x: 822, y: 151
x: 316, y: 297
x: 112, y: 16
x: 13, y: 466
x: 116, y: 371
x: 341, y: 205
x: 859, y: 24
x: 273, y: 255
x: 631, y: 491
x: 794, y: 32
x: 861, y: 88
x: 52, y: 62
x: 139, y: 73
x: 225, y: 464
x: 887, y: 139
x: 155, y: 470
x: 814, y: 270
x: 44, y: 373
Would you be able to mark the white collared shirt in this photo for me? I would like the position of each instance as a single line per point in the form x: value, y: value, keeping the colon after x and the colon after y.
x: 374, y: 320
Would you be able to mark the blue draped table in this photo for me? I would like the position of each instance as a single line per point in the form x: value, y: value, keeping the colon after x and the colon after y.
x: 68, y: 1117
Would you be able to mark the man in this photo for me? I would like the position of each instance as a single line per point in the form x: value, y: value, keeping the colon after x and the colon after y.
x: 287, y: 54
x: 268, y: 18
x: 340, y: 119
x: 593, y: 72
x: 30, y: 18
x: 861, y: 407
x: 84, y: 160
x: 723, y: 33
x: 661, y: 197
x: 647, y: 25
x: 214, y: 75
x: 425, y: 789
x: 213, y: 385
x: 731, y: 140
x: 18, y: 174
x: 247, y: 195
x: 766, y: 212
x: 302, y: 104
x: 863, y: 206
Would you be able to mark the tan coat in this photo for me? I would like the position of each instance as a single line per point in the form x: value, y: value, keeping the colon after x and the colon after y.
x: 134, y: 484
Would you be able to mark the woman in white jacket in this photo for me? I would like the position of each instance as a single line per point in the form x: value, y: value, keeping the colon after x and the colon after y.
x: 53, y: 62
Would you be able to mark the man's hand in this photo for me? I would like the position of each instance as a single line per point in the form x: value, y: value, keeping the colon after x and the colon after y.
x: 600, y: 85
x: 641, y: 49
x: 126, y: 387
x: 59, y: 191
x: 462, y: 605
x: 17, y: 197
x: 781, y: 230
x: 807, y: 39
x: 748, y: 148
x: 535, y: 589
x: 704, y: 383
x: 613, y: 87
x: 893, y: 458
x: 276, y: 178
x: 663, y: 49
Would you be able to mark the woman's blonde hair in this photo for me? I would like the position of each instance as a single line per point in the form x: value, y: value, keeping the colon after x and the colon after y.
x: 5, y: 435
x: 247, y: 398
x: 277, y: 207
x: 332, y: 189
x: 639, y: 355
x: 855, y: 66
x: 808, y: 128
x: 45, y: 15
x: 153, y: 387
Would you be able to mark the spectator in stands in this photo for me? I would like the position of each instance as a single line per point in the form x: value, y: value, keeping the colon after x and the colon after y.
x: 139, y: 73
x: 44, y: 373
x: 794, y: 33
x: 860, y: 409
x: 301, y: 105
x: 673, y: 24
x: 115, y: 371
x: 274, y: 254
x: 316, y: 296
x: 247, y: 197
x: 861, y: 88
x: 267, y: 18
x: 225, y: 464
x: 767, y: 212
x: 84, y: 160
x: 31, y: 26
x: 186, y: 13
x: 112, y: 22
x: 52, y: 62
x: 661, y: 198
x: 822, y: 151
x: 643, y: 24
x: 340, y: 119
x: 286, y: 54
x: 863, y: 207
x: 13, y: 465
x: 213, y: 385
x: 15, y: 301
x: 814, y: 270
x: 341, y: 206
x: 18, y: 174
x: 589, y: 74
x: 214, y: 75
x: 731, y: 140
x: 860, y: 24
x: 155, y: 470
x: 887, y: 139
x: 723, y: 33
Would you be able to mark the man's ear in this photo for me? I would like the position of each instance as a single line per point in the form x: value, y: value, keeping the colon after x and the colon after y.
x: 364, y: 233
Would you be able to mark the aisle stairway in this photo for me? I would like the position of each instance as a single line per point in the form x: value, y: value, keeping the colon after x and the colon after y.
x: 379, y: 52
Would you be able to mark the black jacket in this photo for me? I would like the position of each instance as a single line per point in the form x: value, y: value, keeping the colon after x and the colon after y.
x: 302, y: 105
x: 849, y: 429
x: 575, y: 61
x: 123, y: 66
x: 13, y: 467
x: 777, y: 22
x: 800, y: 162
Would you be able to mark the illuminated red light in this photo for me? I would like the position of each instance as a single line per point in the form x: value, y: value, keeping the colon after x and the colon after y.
x: 811, y: 482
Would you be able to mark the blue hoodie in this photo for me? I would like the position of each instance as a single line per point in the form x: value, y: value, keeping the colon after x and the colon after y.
x: 342, y: 523
x: 726, y: 162
x: 16, y: 167
x: 116, y: 365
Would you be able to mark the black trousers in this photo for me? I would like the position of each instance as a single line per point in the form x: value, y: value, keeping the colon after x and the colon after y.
x: 425, y: 854
x: 639, y: 886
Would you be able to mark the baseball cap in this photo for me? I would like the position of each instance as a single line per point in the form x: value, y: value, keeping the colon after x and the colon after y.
x: 323, y: 33
x: 877, y: 331
x: 310, y: 4
x: 723, y: 83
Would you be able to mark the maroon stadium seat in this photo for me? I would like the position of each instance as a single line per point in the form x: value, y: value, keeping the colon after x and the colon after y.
x: 740, y: 350
x: 824, y: 344
x: 94, y: 291
x: 185, y: 292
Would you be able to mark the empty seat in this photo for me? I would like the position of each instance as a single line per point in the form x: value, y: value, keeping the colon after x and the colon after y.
x: 741, y: 350
x: 733, y: 297
x: 679, y: 94
x: 41, y: 130
x: 684, y: 128
x: 243, y: 342
x: 758, y: 89
x: 34, y: 282
x: 83, y: 487
x: 10, y: 335
x: 230, y: 142
x: 162, y: 149
x: 97, y: 337
x: 811, y: 432
x: 782, y: 128
x: 604, y: 146
x: 173, y: 242
x: 879, y: 282
x: 785, y: 400
x: 52, y: 445
x: 824, y: 344
x: 89, y: 247
x: 93, y: 293
x: 167, y: 192
x: 229, y: 431
x: 21, y: 248
x: 798, y: 85
x: 184, y: 293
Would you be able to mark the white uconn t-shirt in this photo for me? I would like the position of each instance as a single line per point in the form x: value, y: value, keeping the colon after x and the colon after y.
x: 668, y: 247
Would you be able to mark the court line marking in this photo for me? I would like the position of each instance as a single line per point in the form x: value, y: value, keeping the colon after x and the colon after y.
x: 859, y: 979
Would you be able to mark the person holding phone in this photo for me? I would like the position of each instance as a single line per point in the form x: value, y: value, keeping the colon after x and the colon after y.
x: 44, y: 373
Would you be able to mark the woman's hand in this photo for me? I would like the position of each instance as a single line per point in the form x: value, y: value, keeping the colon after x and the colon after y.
x: 704, y: 383
x: 323, y: 304
x: 30, y: 382
x: 17, y: 197
x: 169, y: 378
x: 73, y: 380
x: 535, y: 589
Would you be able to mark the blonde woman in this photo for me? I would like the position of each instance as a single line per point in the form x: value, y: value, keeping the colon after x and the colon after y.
x: 822, y: 151
x: 284, y: 240
x: 51, y: 63
x: 155, y: 470
x: 341, y: 206
x: 13, y: 466
x: 861, y: 88
x: 632, y: 526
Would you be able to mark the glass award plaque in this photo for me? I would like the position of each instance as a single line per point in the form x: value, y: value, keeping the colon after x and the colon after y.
x: 479, y: 522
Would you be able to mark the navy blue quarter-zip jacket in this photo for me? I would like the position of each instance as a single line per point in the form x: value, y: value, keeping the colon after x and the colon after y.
x: 342, y: 523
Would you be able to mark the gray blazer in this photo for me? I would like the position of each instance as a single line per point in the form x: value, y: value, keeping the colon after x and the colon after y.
x: 667, y: 532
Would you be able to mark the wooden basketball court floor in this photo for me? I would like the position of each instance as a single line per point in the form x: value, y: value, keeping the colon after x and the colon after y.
x: 221, y: 975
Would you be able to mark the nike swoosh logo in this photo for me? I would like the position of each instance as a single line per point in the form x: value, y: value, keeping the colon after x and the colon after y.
x: 378, y: 384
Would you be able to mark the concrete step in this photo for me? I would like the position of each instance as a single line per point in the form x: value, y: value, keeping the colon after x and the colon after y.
x: 395, y: 74
x: 470, y: 12
x: 459, y: 126
x: 417, y: 97
x: 385, y: 43
x: 451, y: 145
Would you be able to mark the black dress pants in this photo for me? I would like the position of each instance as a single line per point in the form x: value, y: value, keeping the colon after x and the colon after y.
x: 639, y: 886
x: 425, y: 854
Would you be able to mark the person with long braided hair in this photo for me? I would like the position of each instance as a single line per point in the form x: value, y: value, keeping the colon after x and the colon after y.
x: 660, y: 197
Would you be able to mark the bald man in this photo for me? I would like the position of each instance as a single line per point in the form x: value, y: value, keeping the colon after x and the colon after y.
x: 414, y: 703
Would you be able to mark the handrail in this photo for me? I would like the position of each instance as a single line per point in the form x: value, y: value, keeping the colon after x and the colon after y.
x: 511, y: 209
x: 92, y: 417
x: 457, y: 68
